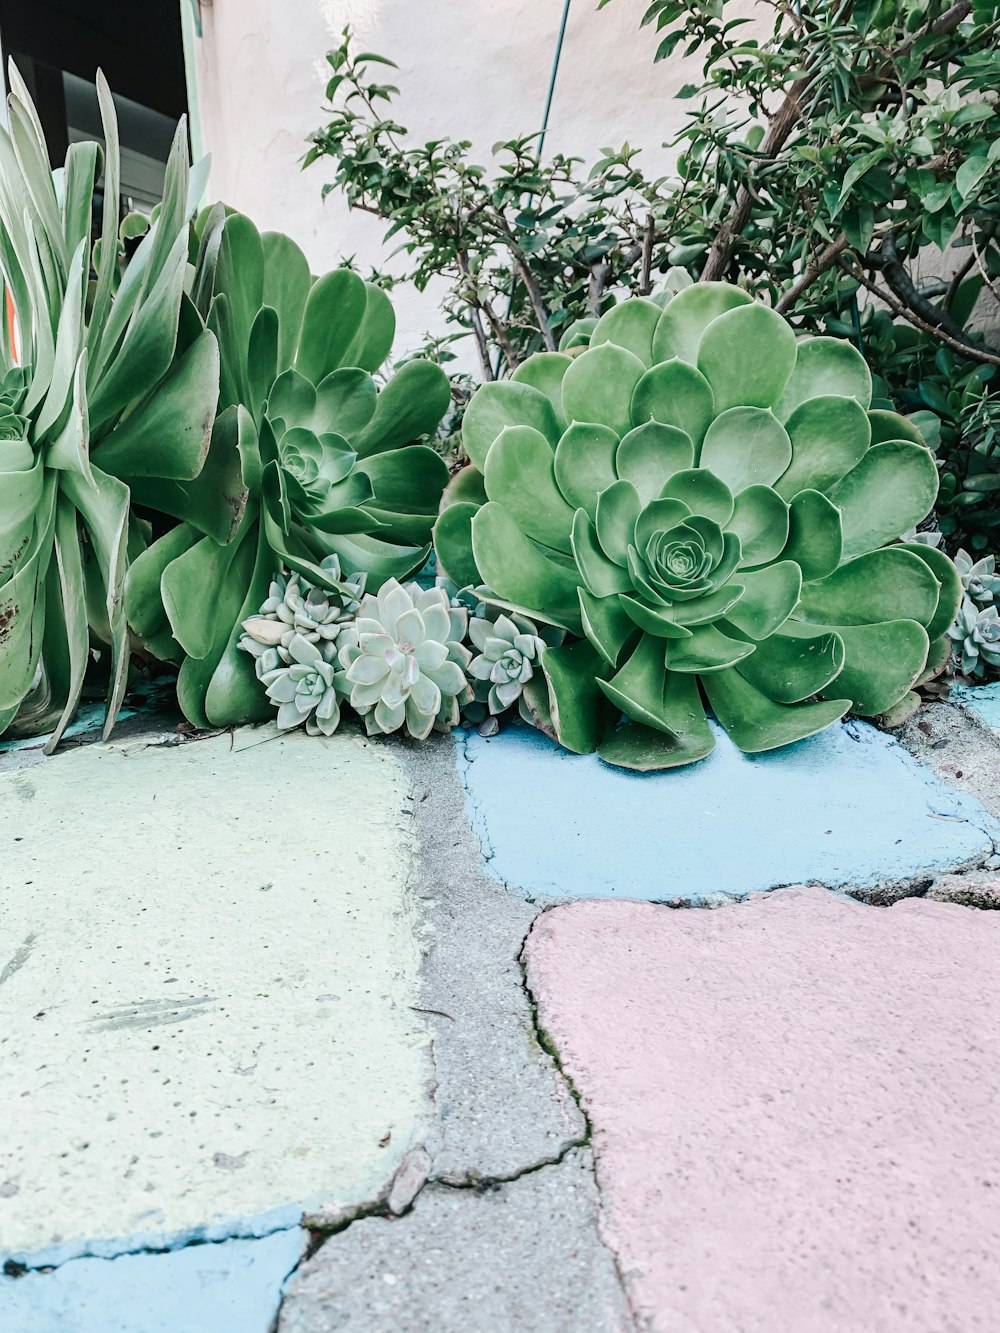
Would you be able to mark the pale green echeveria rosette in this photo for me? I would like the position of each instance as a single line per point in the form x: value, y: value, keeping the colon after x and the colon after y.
x: 116, y: 382
x: 405, y: 660
x: 509, y: 652
x: 980, y: 579
x: 711, y: 511
x: 976, y: 638
x: 296, y: 607
x: 329, y: 464
x: 305, y: 688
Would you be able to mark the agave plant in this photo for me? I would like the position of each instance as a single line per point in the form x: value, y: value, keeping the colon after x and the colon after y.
x: 710, y: 512
x: 322, y: 463
x: 109, y: 382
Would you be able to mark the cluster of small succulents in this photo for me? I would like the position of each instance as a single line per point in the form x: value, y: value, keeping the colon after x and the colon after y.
x: 976, y: 631
x: 406, y: 659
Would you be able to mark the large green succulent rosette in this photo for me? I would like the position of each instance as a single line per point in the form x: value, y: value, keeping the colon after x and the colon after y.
x: 110, y: 377
x: 711, y: 511
x: 316, y: 459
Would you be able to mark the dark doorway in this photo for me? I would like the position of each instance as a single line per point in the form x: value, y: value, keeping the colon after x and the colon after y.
x: 58, y: 46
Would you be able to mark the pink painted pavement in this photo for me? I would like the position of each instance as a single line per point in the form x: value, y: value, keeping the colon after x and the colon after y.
x: 796, y: 1107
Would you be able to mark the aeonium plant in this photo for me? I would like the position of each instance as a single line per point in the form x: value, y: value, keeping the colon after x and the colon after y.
x: 320, y: 461
x: 710, y: 512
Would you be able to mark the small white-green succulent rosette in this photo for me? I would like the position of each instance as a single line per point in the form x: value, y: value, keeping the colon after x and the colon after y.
x: 509, y: 654
x: 711, y: 512
x: 405, y: 662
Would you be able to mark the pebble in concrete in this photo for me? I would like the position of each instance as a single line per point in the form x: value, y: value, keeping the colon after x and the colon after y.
x: 522, y: 1256
x: 233, y: 1287
x: 847, y: 808
x: 209, y: 967
x: 794, y: 1107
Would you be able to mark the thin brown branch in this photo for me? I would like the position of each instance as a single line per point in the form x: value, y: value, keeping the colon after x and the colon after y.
x: 475, y: 318
x: 825, y: 260
x: 645, y: 276
x: 970, y: 350
x: 599, y: 274
x: 959, y: 276
x: 534, y: 296
x: 784, y: 121
x: 977, y: 259
x: 902, y: 285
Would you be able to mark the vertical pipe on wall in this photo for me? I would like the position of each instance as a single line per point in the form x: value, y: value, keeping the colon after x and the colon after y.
x: 190, y: 35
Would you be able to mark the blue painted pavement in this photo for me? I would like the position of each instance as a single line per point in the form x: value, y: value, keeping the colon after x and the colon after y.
x: 984, y: 700
x: 846, y: 808
x: 230, y: 1287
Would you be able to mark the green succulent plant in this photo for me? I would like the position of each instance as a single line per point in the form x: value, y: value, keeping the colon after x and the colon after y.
x: 710, y: 511
x: 976, y: 638
x: 109, y: 382
x: 316, y: 459
x: 979, y: 578
x: 294, y: 606
x: 510, y: 653
x: 405, y: 660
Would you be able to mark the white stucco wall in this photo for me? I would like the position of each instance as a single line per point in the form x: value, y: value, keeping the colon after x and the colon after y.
x: 476, y: 69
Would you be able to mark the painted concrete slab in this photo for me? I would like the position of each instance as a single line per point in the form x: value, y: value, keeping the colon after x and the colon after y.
x: 846, y: 808
x: 984, y: 700
x: 794, y: 1107
x: 233, y: 1287
x: 208, y: 962
x: 522, y: 1256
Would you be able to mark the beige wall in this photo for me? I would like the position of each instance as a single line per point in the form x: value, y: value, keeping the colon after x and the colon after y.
x: 476, y: 69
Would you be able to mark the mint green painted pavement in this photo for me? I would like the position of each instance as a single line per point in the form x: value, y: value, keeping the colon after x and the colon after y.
x: 207, y: 963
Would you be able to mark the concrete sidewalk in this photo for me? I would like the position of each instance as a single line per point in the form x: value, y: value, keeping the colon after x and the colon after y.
x: 269, y: 1056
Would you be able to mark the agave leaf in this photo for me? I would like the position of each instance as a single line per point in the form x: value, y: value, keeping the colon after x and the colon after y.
x: 466, y: 487
x: 69, y: 567
x: 705, y: 650
x: 608, y: 626
x: 769, y: 598
x: 83, y: 162
x: 760, y: 520
x: 703, y: 493
x: 345, y: 403
x: 234, y: 694
x: 262, y: 360
x: 644, y: 750
x: 148, y: 346
x: 891, y: 426
x: 756, y: 723
x: 602, y: 577
x: 882, y: 662
x: 22, y: 607
x: 144, y: 607
x: 950, y: 594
